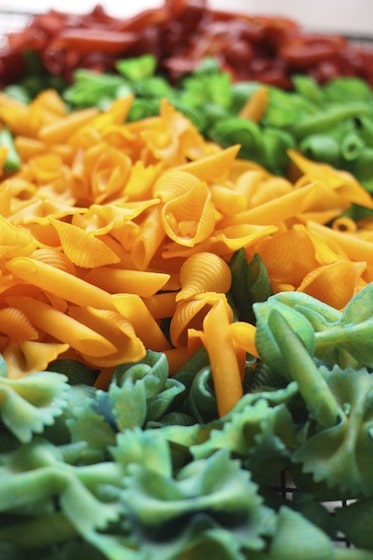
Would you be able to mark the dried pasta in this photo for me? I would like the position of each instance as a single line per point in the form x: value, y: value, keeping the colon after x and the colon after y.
x: 112, y: 229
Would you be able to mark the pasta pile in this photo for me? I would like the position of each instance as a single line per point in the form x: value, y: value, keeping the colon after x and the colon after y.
x: 111, y: 228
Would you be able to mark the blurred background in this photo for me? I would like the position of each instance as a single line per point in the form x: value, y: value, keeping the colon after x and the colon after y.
x: 343, y: 16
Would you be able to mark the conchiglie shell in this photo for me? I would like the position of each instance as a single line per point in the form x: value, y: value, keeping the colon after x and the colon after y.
x: 190, y: 217
x: 335, y: 283
x: 15, y: 324
x: 174, y: 183
x: 82, y: 248
x: 204, y: 272
x: 14, y: 241
x: 110, y: 173
x: 54, y: 258
x: 288, y: 256
x: 189, y: 315
x: 46, y: 167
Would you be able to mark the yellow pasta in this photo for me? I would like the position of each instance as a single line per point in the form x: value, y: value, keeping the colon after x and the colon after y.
x: 111, y: 227
x: 15, y: 324
x: 25, y: 357
x: 148, y: 239
x: 256, y: 105
x: 203, y: 272
x: 335, y: 283
x: 59, y: 282
x: 63, y: 327
x: 127, y: 346
x: 117, y: 280
x: 62, y: 128
x: 224, y: 363
x: 83, y: 248
x: 132, y: 308
x: 277, y: 209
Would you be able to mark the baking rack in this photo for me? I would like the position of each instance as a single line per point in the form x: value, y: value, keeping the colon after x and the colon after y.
x: 14, y: 21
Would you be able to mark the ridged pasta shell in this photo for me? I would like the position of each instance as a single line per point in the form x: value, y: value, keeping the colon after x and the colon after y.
x: 188, y: 215
x: 83, y: 248
x: 15, y: 324
x: 288, y: 256
x: 204, y: 272
x: 335, y: 283
x: 174, y: 183
x: 188, y: 315
x: 54, y: 258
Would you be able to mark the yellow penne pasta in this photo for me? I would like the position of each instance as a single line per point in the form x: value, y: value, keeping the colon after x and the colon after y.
x: 113, y: 327
x: 59, y: 282
x: 161, y: 306
x: 149, y: 238
x: 28, y: 148
x: 276, y: 210
x: 132, y: 308
x: 63, y: 128
x: 256, y: 105
x: 344, y: 224
x: 64, y: 328
x: 224, y: 363
x: 117, y: 280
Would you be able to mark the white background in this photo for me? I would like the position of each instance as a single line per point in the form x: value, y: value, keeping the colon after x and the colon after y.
x: 352, y: 16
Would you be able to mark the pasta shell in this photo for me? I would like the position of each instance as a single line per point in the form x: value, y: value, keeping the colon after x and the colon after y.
x: 15, y: 324
x: 54, y: 258
x: 188, y: 215
x: 25, y: 357
x: 83, y: 248
x: 288, y: 256
x: 174, y: 183
x: 14, y: 241
x: 335, y: 283
x: 204, y: 272
x: 189, y: 314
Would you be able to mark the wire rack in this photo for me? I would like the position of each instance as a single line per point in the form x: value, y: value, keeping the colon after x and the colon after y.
x: 15, y: 21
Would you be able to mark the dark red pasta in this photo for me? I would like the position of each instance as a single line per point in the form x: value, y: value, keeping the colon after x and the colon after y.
x: 180, y: 33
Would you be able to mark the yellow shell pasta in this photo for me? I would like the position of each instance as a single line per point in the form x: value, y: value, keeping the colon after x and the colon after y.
x: 203, y: 272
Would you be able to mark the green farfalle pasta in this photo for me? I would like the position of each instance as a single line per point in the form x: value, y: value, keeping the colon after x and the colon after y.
x: 139, y: 393
x: 341, y: 455
x: 38, y: 472
x: 28, y: 405
x: 333, y: 336
x: 204, y: 491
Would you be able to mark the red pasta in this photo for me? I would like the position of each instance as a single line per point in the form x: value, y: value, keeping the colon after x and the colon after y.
x: 180, y: 33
